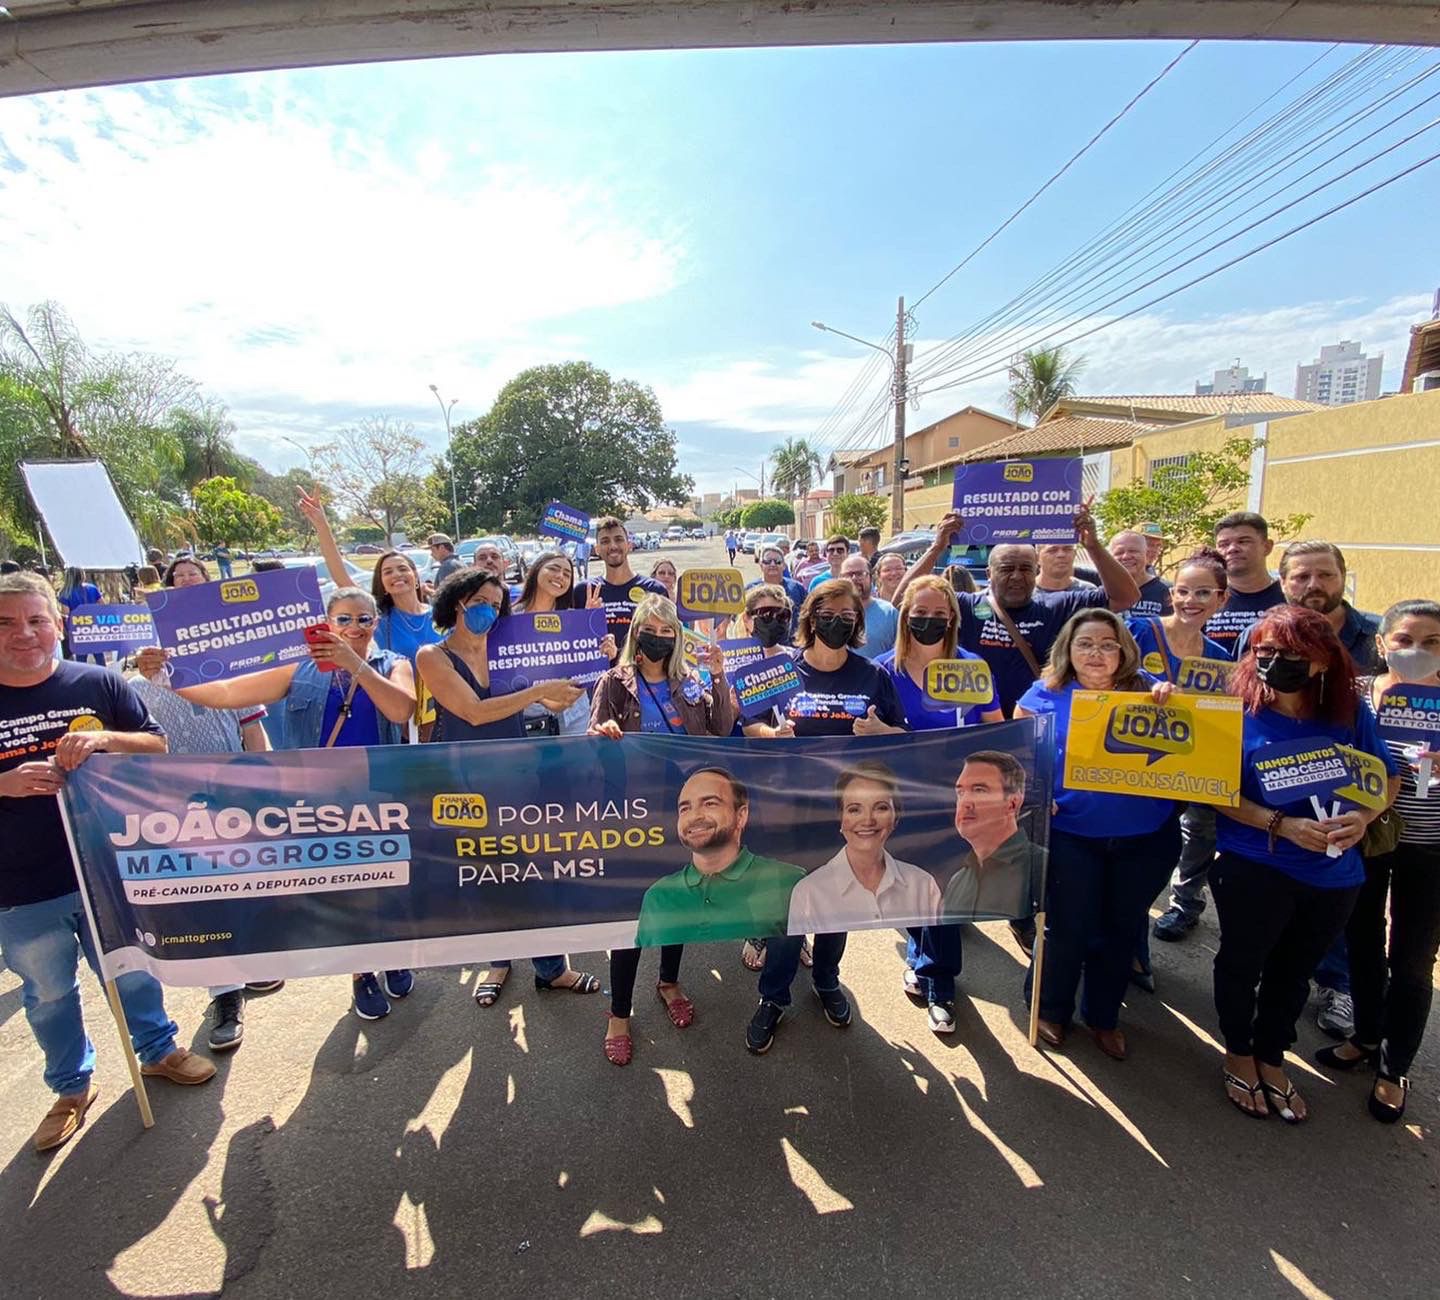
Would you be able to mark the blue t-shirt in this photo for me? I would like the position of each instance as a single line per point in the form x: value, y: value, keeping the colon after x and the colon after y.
x: 919, y: 715
x: 796, y: 591
x: 1088, y: 812
x: 1154, y: 599
x: 657, y: 708
x: 882, y: 620
x: 404, y: 634
x: 1155, y: 651
x: 831, y: 701
x: 87, y: 593
x: 362, y: 727
x: 1270, y: 727
x: 1242, y: 608
x: 1038, y: 622
x: 620, y: 599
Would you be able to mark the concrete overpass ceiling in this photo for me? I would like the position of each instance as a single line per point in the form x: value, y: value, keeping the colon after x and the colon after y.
x: 58, y: 44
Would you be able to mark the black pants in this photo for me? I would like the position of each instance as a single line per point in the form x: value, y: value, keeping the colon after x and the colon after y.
x: 1392, y: 990
x: 1274, y: 930
x: 625, y: 963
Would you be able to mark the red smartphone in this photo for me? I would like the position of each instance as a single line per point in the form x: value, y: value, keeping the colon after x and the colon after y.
x: 313, y: 633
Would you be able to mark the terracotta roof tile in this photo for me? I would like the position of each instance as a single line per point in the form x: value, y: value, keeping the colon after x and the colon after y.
x: 1180, y: 404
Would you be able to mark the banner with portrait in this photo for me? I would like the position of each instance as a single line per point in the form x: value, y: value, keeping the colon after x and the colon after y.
x: 208, y: 870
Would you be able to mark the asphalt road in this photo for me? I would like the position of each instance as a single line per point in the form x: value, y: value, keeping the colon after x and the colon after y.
x: 453, y: 1150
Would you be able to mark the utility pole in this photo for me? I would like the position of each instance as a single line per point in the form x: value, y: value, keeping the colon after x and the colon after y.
x: 897, y: 489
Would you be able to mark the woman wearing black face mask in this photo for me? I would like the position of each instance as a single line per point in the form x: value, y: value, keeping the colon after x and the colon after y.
x: 1290, y: 867
x: 1392, y: 981
x: 651, y: 690
x: 929, y: 627
x: 844, y: 694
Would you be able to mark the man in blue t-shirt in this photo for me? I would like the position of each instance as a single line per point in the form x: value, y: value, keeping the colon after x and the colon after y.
x: 1037, y: 616
x: 620, y: 590
x: 881, y: 618
x: 54, y: 716
x: 772, y: 570
x: 1131, y: 550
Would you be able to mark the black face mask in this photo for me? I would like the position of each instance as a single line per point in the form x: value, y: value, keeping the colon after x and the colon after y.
x: 928, y: 631
x: 770, y: 631
x: 833, y: 630
x: 1284, y: 675
x: 657, y: 649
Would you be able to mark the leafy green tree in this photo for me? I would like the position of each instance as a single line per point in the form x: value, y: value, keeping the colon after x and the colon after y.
x: 1188, y: 500
x: 205, y: 433
x: 852, y: 511
x: 224, y: 512
x: 566, y: 432
x: 797, y: 467
x: 729, y: 517
x: 766, y: 514
x: 283, y: 492
x: 1040, y: 378
x: 688, y: 521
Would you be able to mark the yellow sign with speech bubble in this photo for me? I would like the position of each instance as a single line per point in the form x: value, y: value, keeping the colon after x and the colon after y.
x: 719, y: 592
x: 1124, y: 743
x: 959, y: 681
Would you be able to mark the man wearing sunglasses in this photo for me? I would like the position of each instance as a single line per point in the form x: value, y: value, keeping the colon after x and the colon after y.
x: 772, y: 571
x: 836, y: 549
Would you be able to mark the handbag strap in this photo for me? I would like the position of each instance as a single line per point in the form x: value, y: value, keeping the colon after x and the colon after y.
x: 1021, y: 644
x: 1158, y: 628
x: 343, y: 717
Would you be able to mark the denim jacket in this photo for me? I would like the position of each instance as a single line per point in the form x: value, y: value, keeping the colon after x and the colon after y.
x: 302, y: 713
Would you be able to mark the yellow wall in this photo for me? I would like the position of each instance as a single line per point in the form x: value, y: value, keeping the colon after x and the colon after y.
x: 1353, y: 470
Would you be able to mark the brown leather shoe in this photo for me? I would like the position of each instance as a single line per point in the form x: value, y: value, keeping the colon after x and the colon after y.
x: 181, y: 1066
x: 66, y: 1115
x: 1111, y: 1042
x: 1051, y: 1033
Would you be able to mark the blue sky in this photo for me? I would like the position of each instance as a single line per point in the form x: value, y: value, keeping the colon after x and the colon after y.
x: 318, y: 245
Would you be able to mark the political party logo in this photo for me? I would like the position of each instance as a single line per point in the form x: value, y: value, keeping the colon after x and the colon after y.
x: 1019, y: 472
x: 1150, y: 729
x: 86, y: 722
x: 240, y: 591
x: 637, y: 594
x: 549, y: 624
x: 463, y: 810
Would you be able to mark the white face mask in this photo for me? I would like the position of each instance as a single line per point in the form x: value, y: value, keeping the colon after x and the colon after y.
x: 1412, y: 664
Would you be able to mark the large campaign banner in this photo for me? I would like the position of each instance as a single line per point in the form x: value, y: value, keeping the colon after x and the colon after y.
x: 206, y: 870
x: 236, y: 626
x: 1019, y: 500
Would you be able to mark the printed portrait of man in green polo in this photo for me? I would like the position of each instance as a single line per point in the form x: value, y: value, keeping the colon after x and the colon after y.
x: 725, y: 891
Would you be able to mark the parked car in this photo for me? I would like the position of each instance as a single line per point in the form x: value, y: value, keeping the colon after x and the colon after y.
x: 771, y: 539
x: 698, y: 534
x: 911, y: 546
x: 747, y: 542
x: 674, y: 533
x: 368, y: 548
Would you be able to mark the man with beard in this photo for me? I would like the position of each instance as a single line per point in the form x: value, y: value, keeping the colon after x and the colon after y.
x: 1312, y: 574
x: 620, y: 590
x: 725, y: 891
x: 994, y: 877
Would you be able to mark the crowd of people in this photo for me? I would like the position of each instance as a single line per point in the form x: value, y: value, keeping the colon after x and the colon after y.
x: 1299, y: 896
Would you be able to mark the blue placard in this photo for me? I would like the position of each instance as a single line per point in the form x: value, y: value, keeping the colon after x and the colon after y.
x: 1290, y: 771
x: 562, y: 645
x: 101, y: 629
x: 1411, y: 714
x: 1019, y: 500
x: 767, y: 684
x: 560, y: 520
x: 236, y: 626
x: 740, y: 652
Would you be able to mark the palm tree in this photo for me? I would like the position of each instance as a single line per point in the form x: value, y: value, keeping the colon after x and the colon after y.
x: 1040, y: 378
x: 797, y: 466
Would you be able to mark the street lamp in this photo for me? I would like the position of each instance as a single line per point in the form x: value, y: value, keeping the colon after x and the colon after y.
x: 450, y: 444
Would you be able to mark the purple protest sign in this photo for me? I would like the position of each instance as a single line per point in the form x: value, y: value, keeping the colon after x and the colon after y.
x: 1018, y: 500
x: 740, y: 652
x: 560, y: 520
x: 230, y: 628
x: 1293, y: 770
x: 562, y: 645
x: 100, y: 629
x: 766, y: 684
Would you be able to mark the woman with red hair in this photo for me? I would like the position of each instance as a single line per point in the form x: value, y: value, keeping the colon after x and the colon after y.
x: 1286, y: 878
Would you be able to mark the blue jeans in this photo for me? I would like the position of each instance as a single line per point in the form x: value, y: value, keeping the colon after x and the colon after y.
x: 934, y: 954
x: 782, y: 962
x: 546, y: 968
x: 41, y: 943
x: 1097, y: 892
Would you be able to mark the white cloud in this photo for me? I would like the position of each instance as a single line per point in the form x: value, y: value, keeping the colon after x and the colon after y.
x: 293, y: 265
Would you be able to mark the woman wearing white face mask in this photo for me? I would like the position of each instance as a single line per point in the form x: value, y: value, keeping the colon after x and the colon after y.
x: 1392, y: 984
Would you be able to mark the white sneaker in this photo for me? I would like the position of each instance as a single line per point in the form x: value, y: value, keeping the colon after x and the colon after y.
x: 1336, y: 1016
x: 942, y: 1018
